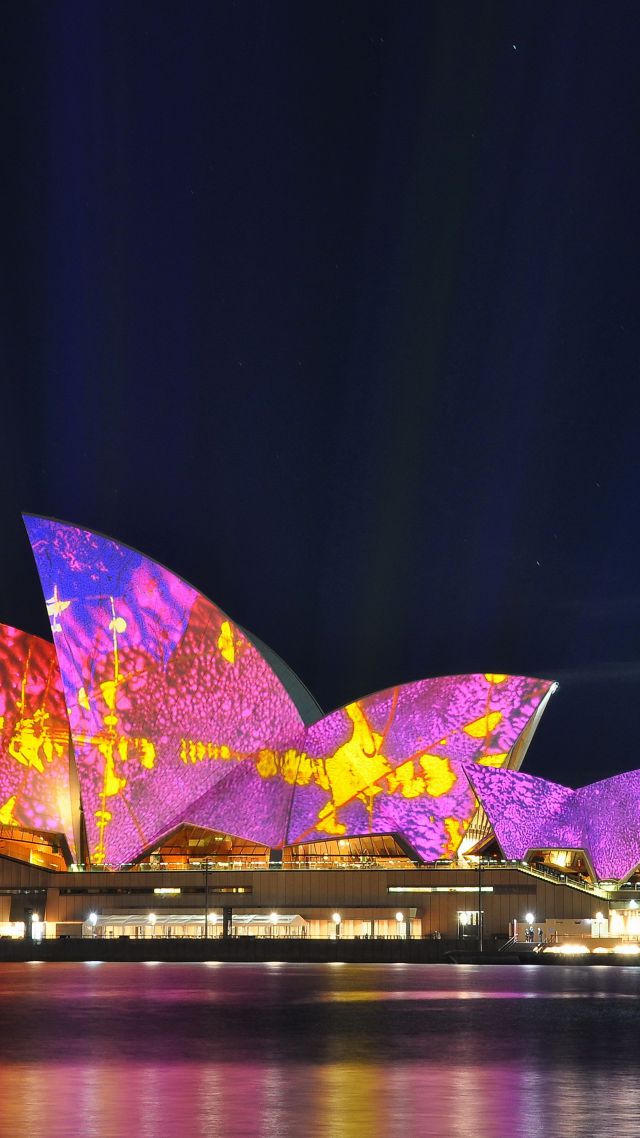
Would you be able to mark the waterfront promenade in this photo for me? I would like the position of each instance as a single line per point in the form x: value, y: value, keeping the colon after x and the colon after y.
x: 290, y: 950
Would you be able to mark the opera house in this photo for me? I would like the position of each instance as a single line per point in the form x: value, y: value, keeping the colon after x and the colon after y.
x: 164, y: 773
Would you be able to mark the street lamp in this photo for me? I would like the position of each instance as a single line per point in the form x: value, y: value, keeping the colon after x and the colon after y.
x: 152, y: 922
x: 36, y: 927
x: 206, y: 896
x: 336, y: 918
x: 273, y: 917
x: 93, y: 920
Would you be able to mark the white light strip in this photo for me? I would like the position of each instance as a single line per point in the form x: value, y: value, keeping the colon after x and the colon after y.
x: 439, y: 889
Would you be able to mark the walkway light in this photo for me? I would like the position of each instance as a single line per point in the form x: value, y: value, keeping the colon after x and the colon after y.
x: 273, y: 917
x: 399, y: 917
x: 93, y: 919
x: 529, y: 918
x: 336, y: 918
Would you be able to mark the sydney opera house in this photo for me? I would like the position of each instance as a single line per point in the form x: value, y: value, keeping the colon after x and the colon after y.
x: 164, y: 773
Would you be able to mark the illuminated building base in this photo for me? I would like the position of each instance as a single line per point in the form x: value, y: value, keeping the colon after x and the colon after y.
x: 152, y: 903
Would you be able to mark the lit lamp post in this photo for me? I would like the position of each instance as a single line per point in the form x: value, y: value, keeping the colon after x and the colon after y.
x: 152, y: 922
x: 206, y: 897
x: 529, y: 918
x: 92, y: 921
x: 480, y: 928
x: 336, y: 918
x: 598, y: 922
x: 399, y: 920
x: 274, y: 920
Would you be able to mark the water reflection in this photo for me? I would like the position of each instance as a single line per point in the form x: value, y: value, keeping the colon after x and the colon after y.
x: 327, y: 1052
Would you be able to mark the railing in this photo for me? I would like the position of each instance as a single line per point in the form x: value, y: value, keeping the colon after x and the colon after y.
x: 546, y: 873
x: 248, y: 863
x: 322, y: 861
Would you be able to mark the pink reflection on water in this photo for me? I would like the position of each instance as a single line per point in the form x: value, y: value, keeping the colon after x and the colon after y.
x: 333, y: 1100
x: 182, y: 1051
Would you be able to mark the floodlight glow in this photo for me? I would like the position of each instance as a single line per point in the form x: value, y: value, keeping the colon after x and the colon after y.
x: 93, y: 919
x: 529, y: 918
x: 273, y: 917
x: 152, y: 918
x: 336, y: 918
x: 627, y: 949
x: 568, y: 949
x: 399, y: 917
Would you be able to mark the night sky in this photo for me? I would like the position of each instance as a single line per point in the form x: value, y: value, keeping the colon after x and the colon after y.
x: 333, y: 309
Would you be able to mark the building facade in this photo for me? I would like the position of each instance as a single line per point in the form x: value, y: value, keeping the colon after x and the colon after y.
x: 162, y: 773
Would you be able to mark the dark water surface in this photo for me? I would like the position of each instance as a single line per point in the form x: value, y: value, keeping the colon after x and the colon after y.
x: 332, y: 1051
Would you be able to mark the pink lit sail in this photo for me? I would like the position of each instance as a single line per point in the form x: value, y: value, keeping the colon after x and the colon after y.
x: 390, y: 763
x: 34, y: 737
x: 164, y: 692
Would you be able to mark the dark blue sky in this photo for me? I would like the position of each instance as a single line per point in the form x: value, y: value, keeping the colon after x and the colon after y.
x: 333, y: 309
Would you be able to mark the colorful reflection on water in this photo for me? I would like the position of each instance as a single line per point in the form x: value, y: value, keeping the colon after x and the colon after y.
x: 282, y: 1051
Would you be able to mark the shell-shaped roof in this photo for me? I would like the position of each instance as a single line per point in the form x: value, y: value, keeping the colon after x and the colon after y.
x: 164, y: 692
x: 529, y: 813
x: 177, y: 717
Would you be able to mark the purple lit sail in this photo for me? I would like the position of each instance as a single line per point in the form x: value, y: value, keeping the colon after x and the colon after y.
x: 526, y: 812
x: 611, y: 810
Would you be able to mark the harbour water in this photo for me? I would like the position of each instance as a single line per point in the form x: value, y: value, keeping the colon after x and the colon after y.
x: 329, y: 1051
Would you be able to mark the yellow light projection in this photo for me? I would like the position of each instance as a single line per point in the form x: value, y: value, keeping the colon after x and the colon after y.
x: 34, y: 737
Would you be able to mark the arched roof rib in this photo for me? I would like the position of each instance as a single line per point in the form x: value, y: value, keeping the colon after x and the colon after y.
x: 306, y: 704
